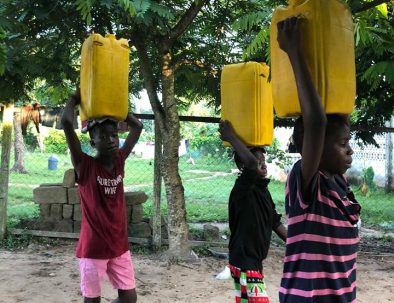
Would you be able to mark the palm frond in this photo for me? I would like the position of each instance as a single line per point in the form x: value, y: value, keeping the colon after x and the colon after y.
x: 381, y: 71
x: 161, y: 10
x: 256, y: 44
x: 141, y: 7
x: 247, y: 22
x: 85, y: 8
x: 128, y: 6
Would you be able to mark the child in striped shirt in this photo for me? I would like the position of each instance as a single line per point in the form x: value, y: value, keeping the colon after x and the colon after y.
x: 322, y: 240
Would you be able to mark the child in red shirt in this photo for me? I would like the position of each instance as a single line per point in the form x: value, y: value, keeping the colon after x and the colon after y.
x: 103, y: 246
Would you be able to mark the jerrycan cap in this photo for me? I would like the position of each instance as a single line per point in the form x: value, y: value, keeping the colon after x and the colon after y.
x: 296, y: 2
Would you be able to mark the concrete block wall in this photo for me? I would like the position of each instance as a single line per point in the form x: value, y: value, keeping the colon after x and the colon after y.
x: 60, y: 208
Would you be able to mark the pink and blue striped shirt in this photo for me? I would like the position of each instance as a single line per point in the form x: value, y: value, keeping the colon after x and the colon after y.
x: 322, y: 241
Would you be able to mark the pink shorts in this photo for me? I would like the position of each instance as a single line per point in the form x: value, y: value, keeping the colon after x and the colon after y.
x: 120, y: 271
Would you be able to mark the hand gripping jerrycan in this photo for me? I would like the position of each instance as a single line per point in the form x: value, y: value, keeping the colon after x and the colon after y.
x: 328, y: 45
x: 246, y: 101
x: 104, y: 77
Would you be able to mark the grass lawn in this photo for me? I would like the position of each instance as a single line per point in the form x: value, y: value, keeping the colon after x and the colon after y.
x: 207, y: 187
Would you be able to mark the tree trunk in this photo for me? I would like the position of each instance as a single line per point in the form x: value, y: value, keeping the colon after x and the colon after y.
x: 156, y: 212
x: 149, y: 83
x: 19, y: 146
x: 178, y: 233
x: 5, y: 165
x: 166, y: 117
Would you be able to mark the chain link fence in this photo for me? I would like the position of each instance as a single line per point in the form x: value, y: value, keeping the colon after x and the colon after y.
x: 205, y: 166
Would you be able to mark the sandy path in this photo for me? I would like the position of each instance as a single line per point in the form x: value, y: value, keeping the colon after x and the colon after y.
x: 50, y: 274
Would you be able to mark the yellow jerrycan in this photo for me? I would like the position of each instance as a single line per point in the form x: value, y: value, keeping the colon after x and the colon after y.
x: 328, y: 45
x: 246, y: 101
x: 104, y: 77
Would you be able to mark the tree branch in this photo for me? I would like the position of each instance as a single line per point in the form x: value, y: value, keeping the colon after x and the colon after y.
x: 147, y: 72
x: 183, y: 23
x: 369, y: 5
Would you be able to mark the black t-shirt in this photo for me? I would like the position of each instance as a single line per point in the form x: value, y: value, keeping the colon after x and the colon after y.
x: 252, y: 217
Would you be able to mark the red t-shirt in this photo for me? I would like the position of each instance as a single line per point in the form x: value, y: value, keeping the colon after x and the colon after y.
x: 103, y: 228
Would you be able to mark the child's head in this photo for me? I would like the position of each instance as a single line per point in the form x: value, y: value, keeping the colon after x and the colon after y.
x: 259, y: 153
x: 103, y: 135
x: 337, y: 153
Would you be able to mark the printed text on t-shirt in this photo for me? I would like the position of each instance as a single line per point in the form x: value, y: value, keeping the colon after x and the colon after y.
x: 110, y: 185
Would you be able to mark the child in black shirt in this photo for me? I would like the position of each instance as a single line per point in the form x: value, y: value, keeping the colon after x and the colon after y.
x: 252, y: 218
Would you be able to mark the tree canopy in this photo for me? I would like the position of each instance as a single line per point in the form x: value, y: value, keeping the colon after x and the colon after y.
x: 41, y: 40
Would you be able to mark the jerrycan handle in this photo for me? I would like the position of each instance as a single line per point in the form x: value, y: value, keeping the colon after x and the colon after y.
x: 296, y: 2
x: 110, y: 36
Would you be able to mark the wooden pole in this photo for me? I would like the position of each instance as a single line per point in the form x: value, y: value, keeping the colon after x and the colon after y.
x: 389, y: 159
x: 5, y: 165
x: 156, y: 209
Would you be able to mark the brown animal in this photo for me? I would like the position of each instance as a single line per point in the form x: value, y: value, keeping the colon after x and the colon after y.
x: 30, y: 112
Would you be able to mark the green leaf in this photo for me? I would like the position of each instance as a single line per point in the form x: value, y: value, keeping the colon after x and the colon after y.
x: 161, y: 10
x: 357, y: 33
x: 22, y: 17
x: 141, y: 7
x: 381, y: 71
x: 247, y: 22
x: 85, y: 8
x: 128, y: 6
x: 107, y: 3
x: 3, y: 52
x: 382, y: 8
x: 3, y: 58
x: 2, y: 34
x: 256, y: 44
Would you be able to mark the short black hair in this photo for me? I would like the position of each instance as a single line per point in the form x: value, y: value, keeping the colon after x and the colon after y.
x: 334, y: 121
x: 253, y: 149
x: 93, y: 129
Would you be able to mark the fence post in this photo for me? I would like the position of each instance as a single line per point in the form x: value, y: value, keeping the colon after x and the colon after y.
x: 5, y: 165
x: 389, y: 158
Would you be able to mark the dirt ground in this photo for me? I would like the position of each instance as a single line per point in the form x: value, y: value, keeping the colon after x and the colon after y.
x: 47, y: 273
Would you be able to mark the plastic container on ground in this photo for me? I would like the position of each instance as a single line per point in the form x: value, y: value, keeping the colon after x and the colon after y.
x: 52, y: 162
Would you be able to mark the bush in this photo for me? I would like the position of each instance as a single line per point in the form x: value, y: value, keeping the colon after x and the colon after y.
x: 205, y: 139
x: 276, y: 155
x: 56, y: 142
x: 31, y: 141
x: 85, y: 144
x: 368, y: 175
x: 146, y: 136
x: 367, y: 183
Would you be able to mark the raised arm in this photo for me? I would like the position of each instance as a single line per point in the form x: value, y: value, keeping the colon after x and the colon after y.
x: 135, y: 132
x: 227, y: 134
x: 68, y: 126
x: 312, y: 111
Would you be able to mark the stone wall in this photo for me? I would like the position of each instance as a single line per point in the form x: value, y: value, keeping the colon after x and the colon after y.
x: 60, y: 208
